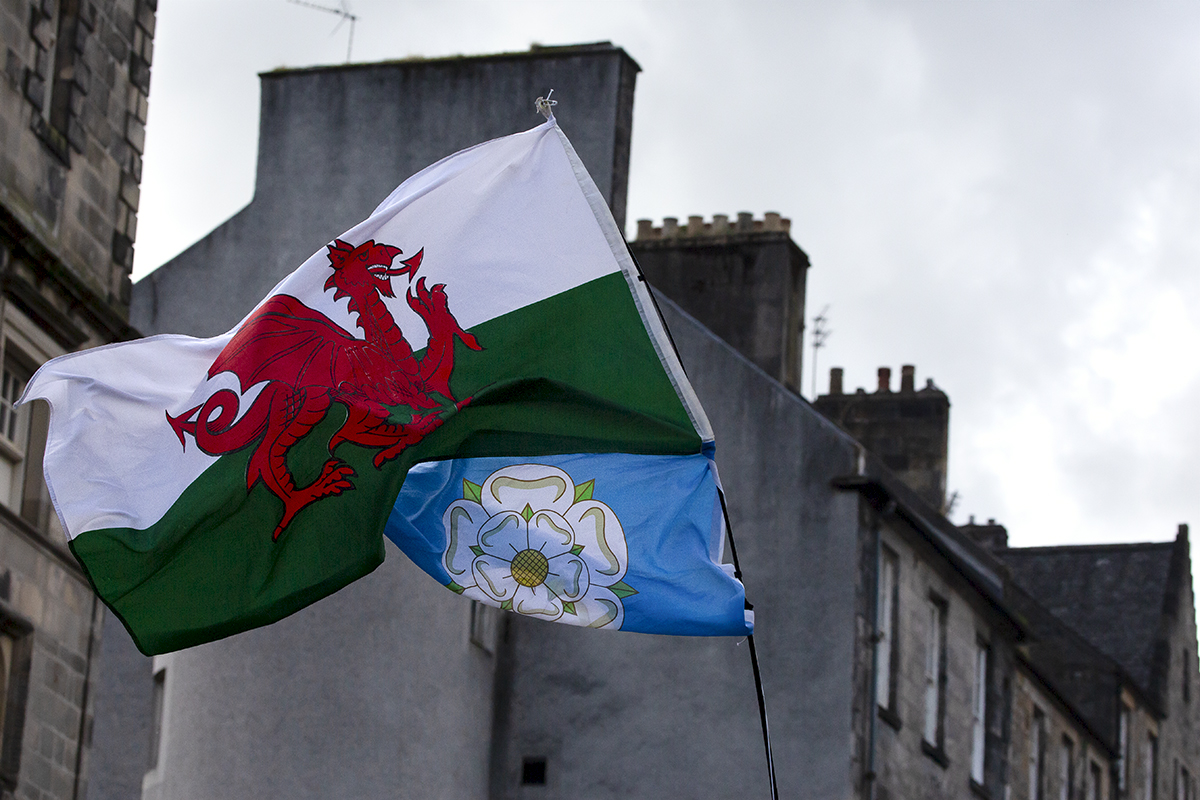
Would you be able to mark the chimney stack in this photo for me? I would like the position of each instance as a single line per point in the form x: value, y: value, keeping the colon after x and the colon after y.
x: 991, y: 536
x: 907, y: 430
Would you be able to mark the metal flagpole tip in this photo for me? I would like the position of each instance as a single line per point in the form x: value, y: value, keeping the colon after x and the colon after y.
x: 545, y: 106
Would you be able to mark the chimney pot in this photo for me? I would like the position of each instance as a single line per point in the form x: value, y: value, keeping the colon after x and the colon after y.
x: 885, y: 379
x: 991, y: 520
x: 645, y: 229
x: 1183, y: 529
x: 695, y: 226
x: 745, y: 222
x: 670, y: 226
x: 720, y: 223
x: 835, y: 380
x: 771, y: 221
x: 907, y: 378
x: 786, y: 224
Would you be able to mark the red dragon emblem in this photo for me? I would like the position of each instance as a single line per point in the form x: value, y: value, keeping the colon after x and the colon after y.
x: 309, y: 362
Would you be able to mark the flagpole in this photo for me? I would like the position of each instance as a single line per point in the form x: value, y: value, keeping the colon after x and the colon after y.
x: 737, y: 569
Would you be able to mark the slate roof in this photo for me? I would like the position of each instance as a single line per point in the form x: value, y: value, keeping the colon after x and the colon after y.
x: 1114, y: 596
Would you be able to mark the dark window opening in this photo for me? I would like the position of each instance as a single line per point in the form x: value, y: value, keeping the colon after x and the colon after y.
x: 533, y: 772
x: 1187, y: 682
x: 156, y: 721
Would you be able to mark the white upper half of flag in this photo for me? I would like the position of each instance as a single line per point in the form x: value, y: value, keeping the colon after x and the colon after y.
x: 503, y: 225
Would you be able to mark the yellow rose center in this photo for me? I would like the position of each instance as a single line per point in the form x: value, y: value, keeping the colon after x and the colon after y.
x: 530, y: 568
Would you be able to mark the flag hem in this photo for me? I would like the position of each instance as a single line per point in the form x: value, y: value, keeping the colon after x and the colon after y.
x: 638, y: 289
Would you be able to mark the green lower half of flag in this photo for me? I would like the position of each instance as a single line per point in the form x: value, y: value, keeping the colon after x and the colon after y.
x: 574, y: 373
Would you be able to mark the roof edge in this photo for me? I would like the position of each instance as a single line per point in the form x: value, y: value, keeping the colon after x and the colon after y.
x: 535, y: 51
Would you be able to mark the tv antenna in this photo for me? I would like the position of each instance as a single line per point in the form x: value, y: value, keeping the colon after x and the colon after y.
x: 343, y: 11
x: 819, y: 335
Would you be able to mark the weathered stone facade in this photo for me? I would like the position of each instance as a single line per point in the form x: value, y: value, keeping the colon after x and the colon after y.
x: 72, y: 110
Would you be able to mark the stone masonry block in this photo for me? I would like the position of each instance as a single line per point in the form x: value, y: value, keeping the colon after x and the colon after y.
x: 145, y: 17
x: 139, y: 72
x: 76, y: 136
x: 135, y: 133
x: 122, y: 20
x: 62, y: 783
x: 14, y: 67
x: 115, y: 43
x: 35, y: 769
x: 131, y: 192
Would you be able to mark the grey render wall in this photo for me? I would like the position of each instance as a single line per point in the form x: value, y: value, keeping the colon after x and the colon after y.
x: 629, y: 715
x: 374, y: 692
x: 334, y: 142
x: 122, y: 717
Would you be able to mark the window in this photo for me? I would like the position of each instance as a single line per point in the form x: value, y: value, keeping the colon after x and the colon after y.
x: 1037, y: 754
x: 156, y: 710
x: 935, y: 672
x: 1187, y: 677
x: 1150, y: 790
x: 16, y: 654
x: 483, y: 626
x: 533, y: 771
x: 1066, y: 770
x: 22, y: 446
x: 1183, y: 784
x: 979, y: 712
x: 1095, y: 778
x: 14, y: 433
x: 1123, y: 751
x: 887, y: 621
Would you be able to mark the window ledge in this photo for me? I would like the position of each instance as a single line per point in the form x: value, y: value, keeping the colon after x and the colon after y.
x: 9, y: 450
x: 890, y: 717
x: 936, y: 753
x: 979, y: 790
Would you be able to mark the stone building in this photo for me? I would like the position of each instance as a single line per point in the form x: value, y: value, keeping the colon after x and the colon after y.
x: 72, y: 114
x: 1095, y: 696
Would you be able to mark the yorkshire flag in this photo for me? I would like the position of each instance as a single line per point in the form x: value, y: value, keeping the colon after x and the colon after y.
x: 476, y: 371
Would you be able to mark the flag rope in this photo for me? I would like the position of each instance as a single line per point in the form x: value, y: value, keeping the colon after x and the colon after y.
x: 737, y: 569
x: 758, y: 686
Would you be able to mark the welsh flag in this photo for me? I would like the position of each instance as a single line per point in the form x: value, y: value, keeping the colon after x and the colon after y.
x: 476, y: 372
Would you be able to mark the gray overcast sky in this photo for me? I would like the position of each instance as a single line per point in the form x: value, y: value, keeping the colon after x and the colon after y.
x: 1005, y: 194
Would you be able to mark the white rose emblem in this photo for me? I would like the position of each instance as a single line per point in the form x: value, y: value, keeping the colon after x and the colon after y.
x: 529, y: 540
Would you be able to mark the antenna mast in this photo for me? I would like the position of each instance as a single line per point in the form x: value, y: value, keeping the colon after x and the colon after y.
x: 820, y: 334
x: 343, y: 11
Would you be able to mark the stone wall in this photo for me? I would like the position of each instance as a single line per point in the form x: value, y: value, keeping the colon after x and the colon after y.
x: 48, y: 613
x: 72, y: 130
x: 1068, y: 748
x: 906, y: 764
x: 72, y: 109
